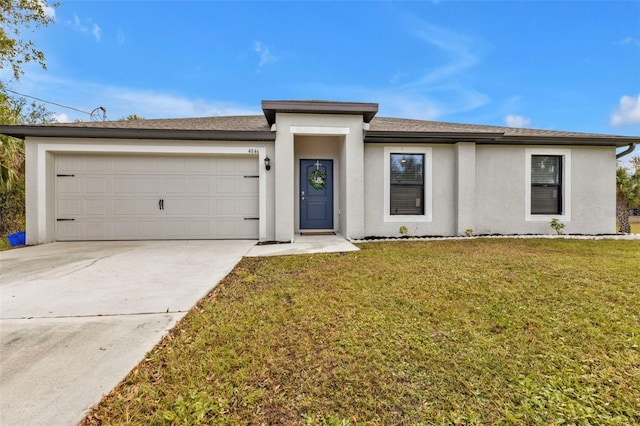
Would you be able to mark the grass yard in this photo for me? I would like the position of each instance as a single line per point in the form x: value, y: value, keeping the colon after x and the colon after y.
x: 478, y: 331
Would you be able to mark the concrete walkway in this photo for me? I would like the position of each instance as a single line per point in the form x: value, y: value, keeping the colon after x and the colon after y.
x: 75, y: 318
x: 305, y: 244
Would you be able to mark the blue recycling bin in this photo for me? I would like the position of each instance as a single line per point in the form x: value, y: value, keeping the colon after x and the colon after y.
x: 17, y: 239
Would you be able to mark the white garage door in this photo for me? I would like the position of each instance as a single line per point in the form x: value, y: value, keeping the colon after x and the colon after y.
x: 101, y: 197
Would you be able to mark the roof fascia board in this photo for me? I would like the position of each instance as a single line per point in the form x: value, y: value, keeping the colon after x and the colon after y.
x: 417, y: 137
x: 572, y: 140
x: 162, y: 134
x: 366, y: 109
x: 494, y: 138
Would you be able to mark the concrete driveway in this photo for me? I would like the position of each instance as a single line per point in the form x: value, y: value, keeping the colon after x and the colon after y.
x: 75, y: 318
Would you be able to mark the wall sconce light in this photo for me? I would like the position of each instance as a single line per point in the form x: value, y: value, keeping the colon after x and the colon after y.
x: 267, y: 163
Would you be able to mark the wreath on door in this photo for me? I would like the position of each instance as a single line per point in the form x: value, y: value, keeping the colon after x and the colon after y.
x: 317, y: 179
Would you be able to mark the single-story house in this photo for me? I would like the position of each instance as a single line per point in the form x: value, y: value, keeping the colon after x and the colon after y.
x: 311, y: 166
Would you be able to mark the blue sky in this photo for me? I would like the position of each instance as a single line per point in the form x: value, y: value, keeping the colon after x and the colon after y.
x: 565, y: 65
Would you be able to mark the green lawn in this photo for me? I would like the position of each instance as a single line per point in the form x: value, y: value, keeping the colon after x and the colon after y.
x: 486, y: 331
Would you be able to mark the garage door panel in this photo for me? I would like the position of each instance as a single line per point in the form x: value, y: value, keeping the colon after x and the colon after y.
x: 125, y: 164
x: 95, y: 208
x: 151, y: 165
x: 69, y: 165
x: 124, y: 207
x: 69, y: 185
x: 148, y: 229
x: 226, y: 185
x: 124, y: 230
x: 95, y: 185
x: 176, y: 229
x: 124, y: 185
x: 199, y: 207
x: 198, y: 228
x: 200, y: 185
x: 247, y: 186
x: 201, y: 165
x: 96, y: 230
x: 148, y: 185
x: 69, y: 230
x: 175, y: 207
x: 246, y: 207
x: 175, y: 184
x: 118, y: 197
x: 97, y: 164
x: 70, y: 208
x: 148, y: 207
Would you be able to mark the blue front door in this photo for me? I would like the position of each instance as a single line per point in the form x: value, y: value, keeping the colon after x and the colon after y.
x: 316, y: 194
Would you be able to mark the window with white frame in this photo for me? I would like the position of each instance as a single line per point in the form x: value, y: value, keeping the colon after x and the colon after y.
x: 548, y: 189
x: 407, y: 192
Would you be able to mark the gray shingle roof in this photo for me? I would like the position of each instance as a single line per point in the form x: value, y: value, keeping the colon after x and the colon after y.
x: 255, y: 127
x: 243, y: 123
x: 387, y: 124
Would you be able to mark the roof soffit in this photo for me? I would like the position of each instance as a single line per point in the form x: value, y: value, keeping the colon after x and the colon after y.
x: 365, y: 109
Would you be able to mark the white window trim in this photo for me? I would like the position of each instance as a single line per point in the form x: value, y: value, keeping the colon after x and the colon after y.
x: 428, y: 184
x: 566, y: 185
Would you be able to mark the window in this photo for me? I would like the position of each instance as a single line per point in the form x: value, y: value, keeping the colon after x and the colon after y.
x: 407, y: 184
x: 548, y: 184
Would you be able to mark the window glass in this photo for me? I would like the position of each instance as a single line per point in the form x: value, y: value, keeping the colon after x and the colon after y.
x: 407, y: 184
x: 546, y: 184
x: 545, y: 169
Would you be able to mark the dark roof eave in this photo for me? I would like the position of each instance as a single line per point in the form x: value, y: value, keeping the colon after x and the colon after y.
x: 368, y: 110
x: 428, y: 137
x: 160, y: 134
x: 616, y: 141
x: 495, y: 138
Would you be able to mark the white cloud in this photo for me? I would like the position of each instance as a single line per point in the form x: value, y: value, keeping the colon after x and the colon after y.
x: 121, y: 101
x: 153, y: 104
x: 61, y: 118
x: 630, y: 40
x: 85, y: 26
x: 49, y: 11
x: 627, y: 112
x: 519, y: 121
x: 437, y: 90
x: 121, y: 37
x: 264, y: 53
x: 96, y: 31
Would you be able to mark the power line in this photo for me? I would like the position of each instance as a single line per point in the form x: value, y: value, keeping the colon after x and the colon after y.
x: 93, y: 114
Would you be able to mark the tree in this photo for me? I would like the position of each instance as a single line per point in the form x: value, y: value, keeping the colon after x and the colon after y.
x: 12, y: 171
x: 133, y: 117
x: 16, y: 16
x: 627, y: 193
